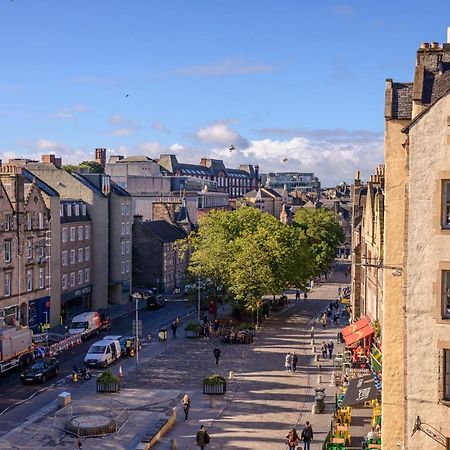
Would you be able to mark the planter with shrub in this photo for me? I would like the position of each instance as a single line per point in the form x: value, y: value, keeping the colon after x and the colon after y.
x: 192, y: 330
x: 214, y: 385
x: 107, y: 382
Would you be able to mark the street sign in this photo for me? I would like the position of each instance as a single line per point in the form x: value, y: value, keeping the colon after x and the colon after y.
x: 139, y: 327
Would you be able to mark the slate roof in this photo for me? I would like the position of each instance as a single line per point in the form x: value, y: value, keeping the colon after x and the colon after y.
x: 116, y: 189
x: 163, y: 230
x: 402, y: 100
x: 40, y: 184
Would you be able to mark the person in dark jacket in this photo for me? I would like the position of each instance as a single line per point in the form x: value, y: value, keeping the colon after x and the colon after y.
x: 216, y: 352
x: 307, y: 436
x: 294, y: 362
x: 174, y: 327
x: 202, y: 437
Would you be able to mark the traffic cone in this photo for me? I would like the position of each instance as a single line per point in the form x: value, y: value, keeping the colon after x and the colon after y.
x: 120, y: 371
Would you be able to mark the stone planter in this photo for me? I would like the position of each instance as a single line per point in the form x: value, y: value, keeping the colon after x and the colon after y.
x: 214, y: 389
x: 191, y: 334
x: 107, y: 387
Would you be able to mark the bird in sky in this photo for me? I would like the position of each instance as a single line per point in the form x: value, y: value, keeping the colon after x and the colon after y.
x: 126, y: 96
x: 231, y: 148
x: 285, y: 159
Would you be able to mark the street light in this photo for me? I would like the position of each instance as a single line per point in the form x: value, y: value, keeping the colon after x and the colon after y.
x: 136, y: 296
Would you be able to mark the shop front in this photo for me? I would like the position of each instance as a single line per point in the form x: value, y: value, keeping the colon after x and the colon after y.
x: 76, y: 302
x: 38, y: 313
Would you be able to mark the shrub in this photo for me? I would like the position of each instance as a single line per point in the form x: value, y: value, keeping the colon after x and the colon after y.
x: 107, y: 377
x: 192, y: 326
x: 214, y: 380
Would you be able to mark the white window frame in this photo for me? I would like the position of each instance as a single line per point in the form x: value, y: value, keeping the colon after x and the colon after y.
x: 86, y: 275
x: 72, y: 278
x: 73, y: 236
x: 86, y: 253
x: 64, y: 258
x: 77, y: 209
x: 83, y: 209
x: 64, y: 234
x: 29, y: 221
x: 123, y: 229
x: 127, y: 247
x: 61, y: 210
x: 41, y: 248
x: 7, y: 222
x: 80, y: 233
x: 69, y: 210
x: 80, y: 277
x: 127, y: 228
x: 41, y: 221
x: 86, y: 231
x: 7, y: 247
x: 80, y: 255
x: 446, y: 204
x: 64, y: 281
x: 29, y: 248
x: 41, y: 278
x: 7, y: 284
x: 72, y: 257
x: 29, y: 280
x: 123, y: 267
x: 122, y: 247
x: 127, y: 266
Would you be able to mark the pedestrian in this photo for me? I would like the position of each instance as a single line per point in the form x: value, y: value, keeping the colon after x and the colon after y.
x: 336, y: 318
x: 216, y: 352
x: 186, y: 401
x: 174, y: 327
x: 79, y: 446
x: 339, y: 290
x: 328, y: 313
x: 305, y: 296
x: 324, y: 320
x: 324, y: 349
x: 294, y: 362
x: 292, y: 439
x: 297, y: 295
x: 288, y: 362
x: 330, y: 349
x: 307, y: 436
x: 202, y: 437
x: 128, y: 347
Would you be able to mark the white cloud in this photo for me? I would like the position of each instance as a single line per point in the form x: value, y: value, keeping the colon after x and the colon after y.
x: 342, y: 10
x: 122, y: 126
x: 224, y: 67
x: 70, y: 113
x: 220, y: 134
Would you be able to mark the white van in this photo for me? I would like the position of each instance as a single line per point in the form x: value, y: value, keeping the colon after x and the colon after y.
x: 86, y: 324
x: 103, y: 353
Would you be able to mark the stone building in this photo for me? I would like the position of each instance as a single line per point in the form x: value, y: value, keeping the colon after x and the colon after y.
x: 368, y: 246
x: 293, y: 181
x: 75, y: 258
x: 25, y: 295
x: 416, y: 344
x: 267, y: 200
x: 159, y: 261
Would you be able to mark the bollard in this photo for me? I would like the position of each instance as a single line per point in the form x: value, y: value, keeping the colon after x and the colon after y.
x: 316, y: 357
x: 312, y: 334
x: 312, y: 342
x: 319, y: 379
x: 313, y: 349
x: 231, y: 375
x: 319, y: 366
x: 173, y: 444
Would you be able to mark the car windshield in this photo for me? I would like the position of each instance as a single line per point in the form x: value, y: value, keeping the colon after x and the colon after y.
x: 82, y: 325
x: 38, y: 365
x: 97, y: 349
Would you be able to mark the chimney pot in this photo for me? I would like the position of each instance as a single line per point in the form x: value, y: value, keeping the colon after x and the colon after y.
x: 434, y: 45
x: 424, y: 45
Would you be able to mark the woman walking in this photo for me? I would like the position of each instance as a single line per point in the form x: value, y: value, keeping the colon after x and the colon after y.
x: 288, y: 362
x: 186, y: 405
x: 292, y: 439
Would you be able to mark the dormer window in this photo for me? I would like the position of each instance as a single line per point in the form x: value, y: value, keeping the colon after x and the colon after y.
x: 83, y: 209
x: 77, y: 209
x: 69, y: 210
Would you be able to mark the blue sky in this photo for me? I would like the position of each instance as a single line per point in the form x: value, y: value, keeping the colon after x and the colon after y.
x: 277, y: 79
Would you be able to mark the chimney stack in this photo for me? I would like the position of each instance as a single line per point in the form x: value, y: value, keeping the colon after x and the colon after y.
x: 100, y: 156
x: 51, y: 159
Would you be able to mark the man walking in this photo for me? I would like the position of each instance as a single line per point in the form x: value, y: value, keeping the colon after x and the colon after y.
x: 297, y: 295
x: 330, y: 349
x: 324, y: 349
x: 294, y: 362
x: 307, y: 436
x: 216, y: 352
x: 174, y: 327
x: 186, y: 401
x: 202, y: 437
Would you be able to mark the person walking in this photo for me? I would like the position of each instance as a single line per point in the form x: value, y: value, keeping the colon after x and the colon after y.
x: 336, y: 318
x: 216, y: 352
x: 324, y: 320
x: 174, y: 327
x: 292, y: 439
x: 297, y: 295
x: 294, y: 362
x: 186, y: 401
x: 288, y: 362
x: 305, y: 296
x: 202, y: 437
x: 324, y: 349
x: 307, y: 436
x: 330, y: 349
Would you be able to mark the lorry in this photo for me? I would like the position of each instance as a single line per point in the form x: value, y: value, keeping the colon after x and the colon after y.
x: 103, y: 353
x: 88, y: 323
x: 16, y: 348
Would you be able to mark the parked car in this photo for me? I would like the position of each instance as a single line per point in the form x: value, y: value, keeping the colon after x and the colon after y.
x: 156, y: 302
x: 40, y: 371
x: 144, y: 292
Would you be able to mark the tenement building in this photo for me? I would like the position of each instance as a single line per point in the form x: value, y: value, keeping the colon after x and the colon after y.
x: 416, y: 315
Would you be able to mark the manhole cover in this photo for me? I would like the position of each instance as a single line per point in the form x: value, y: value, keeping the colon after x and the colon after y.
x: 90, y: 425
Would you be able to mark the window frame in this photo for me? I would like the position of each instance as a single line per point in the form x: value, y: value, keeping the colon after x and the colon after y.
x: 80, y: 232
x: 445, y: 204
x: 7, y: 254
x: 41, y: 278
x: 73, y: 235
x: 29, y: 280
x: 446, y: 375
x: 7, y: 285
x: 445, y: 296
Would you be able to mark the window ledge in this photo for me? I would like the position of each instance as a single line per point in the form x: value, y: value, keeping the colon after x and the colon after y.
x: 445, y: 402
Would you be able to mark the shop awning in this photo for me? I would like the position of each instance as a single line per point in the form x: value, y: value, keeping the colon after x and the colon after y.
x: 357, y: 331
x: 376, y: 358
x: 360, y: 390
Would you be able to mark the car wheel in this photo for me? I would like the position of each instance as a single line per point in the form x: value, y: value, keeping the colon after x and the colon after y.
x: 43, y: 378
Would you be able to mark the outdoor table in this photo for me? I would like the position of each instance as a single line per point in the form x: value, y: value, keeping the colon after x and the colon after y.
x: 338, y: 441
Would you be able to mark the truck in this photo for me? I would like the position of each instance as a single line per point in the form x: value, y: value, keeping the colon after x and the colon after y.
x: 16, y: 348
x: 88, y: 323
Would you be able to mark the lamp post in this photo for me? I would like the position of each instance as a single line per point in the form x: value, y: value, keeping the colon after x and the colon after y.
x: 136, y: 324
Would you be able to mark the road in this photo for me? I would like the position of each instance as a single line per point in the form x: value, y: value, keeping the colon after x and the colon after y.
x: 13, y: 391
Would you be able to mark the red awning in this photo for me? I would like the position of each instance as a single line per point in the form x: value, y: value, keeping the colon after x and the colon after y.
x: 357, y: 331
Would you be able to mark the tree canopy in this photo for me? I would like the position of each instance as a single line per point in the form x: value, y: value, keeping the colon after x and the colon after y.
x: 84, y: 166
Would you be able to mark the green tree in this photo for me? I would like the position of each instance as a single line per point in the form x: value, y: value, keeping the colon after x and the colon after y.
x: 84, y: 166
x: 324, y: 235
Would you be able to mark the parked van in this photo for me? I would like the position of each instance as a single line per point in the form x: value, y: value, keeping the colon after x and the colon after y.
x: 86, y: 324
x: 103, y: 353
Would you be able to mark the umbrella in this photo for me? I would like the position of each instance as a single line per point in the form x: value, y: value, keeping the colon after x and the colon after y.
x: 360, y: 390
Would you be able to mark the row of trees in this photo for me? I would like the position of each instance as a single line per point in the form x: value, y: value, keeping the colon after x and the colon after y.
x: 249, y: 254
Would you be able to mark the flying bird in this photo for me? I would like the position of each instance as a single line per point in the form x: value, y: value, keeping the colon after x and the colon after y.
x: 126, y: 96
x: 231, y: 148
x: 285, y: 159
